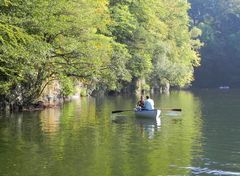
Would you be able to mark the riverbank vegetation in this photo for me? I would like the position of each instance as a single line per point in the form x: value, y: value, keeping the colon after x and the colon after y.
x: 104, y: 45
x: 219, y: 21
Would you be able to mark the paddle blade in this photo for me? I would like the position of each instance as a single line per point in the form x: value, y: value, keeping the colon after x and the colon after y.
x: 176, y: 109
x: 117, y: 111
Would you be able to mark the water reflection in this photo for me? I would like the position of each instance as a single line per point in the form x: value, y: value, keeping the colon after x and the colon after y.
x: 148, y: 127
x: 50, y: 120
x: 119, y: 119
x: 83, y: 138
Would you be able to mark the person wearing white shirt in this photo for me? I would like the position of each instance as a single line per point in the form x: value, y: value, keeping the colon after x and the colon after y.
x: 148, y: 103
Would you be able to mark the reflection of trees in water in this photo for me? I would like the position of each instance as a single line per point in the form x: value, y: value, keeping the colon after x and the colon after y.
x: 171, y: 144
x: 87, y: 141
x: 50, y: 119
x: 180, y: 135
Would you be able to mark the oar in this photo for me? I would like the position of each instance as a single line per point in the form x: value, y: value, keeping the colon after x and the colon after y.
x: 117, y: 111
x: 169, y: 109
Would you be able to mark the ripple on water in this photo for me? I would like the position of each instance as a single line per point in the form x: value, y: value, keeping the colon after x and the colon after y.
x: 199, y: 170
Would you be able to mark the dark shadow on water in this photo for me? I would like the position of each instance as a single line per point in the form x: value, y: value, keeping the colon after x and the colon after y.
x: 119, y: 119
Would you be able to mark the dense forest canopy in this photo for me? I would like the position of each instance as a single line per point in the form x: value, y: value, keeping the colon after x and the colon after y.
x: 103, y: 44
x: 219, y: 21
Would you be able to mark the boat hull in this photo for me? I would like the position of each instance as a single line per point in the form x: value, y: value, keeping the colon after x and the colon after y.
x: 155, y: 113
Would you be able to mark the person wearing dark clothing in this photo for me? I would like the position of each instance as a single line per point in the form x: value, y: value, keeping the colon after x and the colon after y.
x: 141, y: 102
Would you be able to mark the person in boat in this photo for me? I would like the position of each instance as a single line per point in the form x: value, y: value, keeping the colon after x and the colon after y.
x: 148, y: 104
x: 140, y: 103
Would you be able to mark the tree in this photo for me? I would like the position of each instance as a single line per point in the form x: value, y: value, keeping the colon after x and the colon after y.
x: 219, y: 21
x: 50, y: 39
x: 176, y: 50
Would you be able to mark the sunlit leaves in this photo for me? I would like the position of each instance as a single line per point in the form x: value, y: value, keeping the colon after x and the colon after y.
x: 105, y: 43
x: 124, y: 23
x: 46, y: 39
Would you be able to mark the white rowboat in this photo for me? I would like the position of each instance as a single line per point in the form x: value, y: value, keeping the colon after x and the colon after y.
x: 155, y: 113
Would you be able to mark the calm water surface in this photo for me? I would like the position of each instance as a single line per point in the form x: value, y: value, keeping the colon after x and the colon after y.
x: 83, y: 138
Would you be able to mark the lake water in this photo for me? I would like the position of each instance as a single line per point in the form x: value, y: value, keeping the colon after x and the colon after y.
x: 83, y: 138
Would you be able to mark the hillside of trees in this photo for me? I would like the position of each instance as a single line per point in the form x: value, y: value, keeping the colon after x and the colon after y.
x: 106, y: 45
x: 219, y: 21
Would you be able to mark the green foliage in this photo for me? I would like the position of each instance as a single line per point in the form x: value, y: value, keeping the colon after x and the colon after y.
x: 105, y: 44
x: 83, y: 92
x: 145, y: 87
x: 150, y: 22
x: 67, y: 86
x: 124, y: 24
x: 219, y: 21
x: 117, y: 73
x: 175, y: 49
x: 45, y: 39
